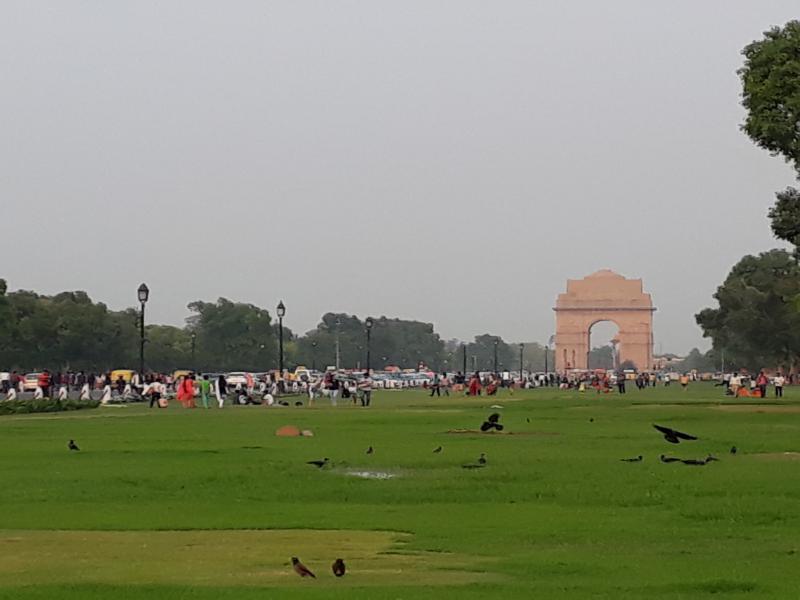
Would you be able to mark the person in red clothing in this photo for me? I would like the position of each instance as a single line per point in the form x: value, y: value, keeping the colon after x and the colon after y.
x: 761, y: 383
x: 44, y: 382
x: 475, y: 385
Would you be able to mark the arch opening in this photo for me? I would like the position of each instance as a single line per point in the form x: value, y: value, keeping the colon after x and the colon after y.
x: 604, y: 344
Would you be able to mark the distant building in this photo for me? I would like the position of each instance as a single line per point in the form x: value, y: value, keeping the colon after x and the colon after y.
x: 667, y: 362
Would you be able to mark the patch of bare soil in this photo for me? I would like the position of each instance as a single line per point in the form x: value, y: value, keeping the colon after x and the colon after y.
x: 778, y: 455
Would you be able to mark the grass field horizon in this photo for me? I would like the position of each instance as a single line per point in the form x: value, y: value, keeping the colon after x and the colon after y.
x: 211, y: 504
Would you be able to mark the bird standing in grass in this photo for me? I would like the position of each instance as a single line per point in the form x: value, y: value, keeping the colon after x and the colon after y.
x: 482, y: 459
x: 73, y: 446
x: 301, y: 569
x: 338, y: 567
x: 734, y: 450
x: 437, y: 450
x: 318, y: 463
x: 639, y: 458
x: 370, y: 450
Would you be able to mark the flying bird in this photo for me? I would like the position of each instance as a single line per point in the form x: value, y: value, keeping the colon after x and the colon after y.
x: 673, y: 436
x: 370, y: 450
x: 73, y: 446
x: 437, y: 450
x: 318, y: 463
x: 301, y: 569
x: 338, y: 567
x: 639, y: 458
x: 669, y: 459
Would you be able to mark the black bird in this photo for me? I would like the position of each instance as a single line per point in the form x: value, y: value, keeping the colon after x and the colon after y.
x: 673, y: 436
x: 494, y: 418
x: 73, y: 446
x: 437, y: 450
x: 338, y: 567
x: 669, y: 459
x: 318, y: 463
x: 639, y: 458
x: 527, y: 419
x: 370, y: 450
x: 693, y: 461
x: 734, y: 450
x: 301, y: 569
x: 482, y: 459
x: 591, y: 419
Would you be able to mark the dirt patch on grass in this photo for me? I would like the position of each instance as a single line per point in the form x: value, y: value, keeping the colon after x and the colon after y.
x: 778, y: 455
x: 760, y: 408
x: 224, y: 557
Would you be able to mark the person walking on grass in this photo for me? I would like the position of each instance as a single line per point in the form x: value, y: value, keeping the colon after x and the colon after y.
x: 761, y: 384
x: 779, y: 381
x: 221, y: 390
x: 436, y: 386
x: 205, y: 390
x: 365, y: 390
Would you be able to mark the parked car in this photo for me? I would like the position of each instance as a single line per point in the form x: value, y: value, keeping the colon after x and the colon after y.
x: 236, y: 378
x: 30, y: 382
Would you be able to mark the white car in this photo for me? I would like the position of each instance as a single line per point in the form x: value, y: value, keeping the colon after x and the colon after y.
x: 236, y: 378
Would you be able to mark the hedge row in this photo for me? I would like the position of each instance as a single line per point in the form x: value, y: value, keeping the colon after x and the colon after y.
x: 18, y: 407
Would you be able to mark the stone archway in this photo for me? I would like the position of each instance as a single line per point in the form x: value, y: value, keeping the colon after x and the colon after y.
x: 604, y: 296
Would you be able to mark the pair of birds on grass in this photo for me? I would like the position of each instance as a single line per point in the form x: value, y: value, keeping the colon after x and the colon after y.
x: 338, y: 568
x: 673, y: 436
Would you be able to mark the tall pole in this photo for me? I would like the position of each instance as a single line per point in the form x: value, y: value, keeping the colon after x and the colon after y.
x: 338, y: 322
x: 194, y: 340
x: 369, y: 322
x: 546, y: 352
x: 280, y: 342
x: 143, y: 293
x: 495, y: 357
x: 464, y: 357
x: 521, y: 348
x: 141, y: 342
x: 313, y: 356
x: 281, y: 311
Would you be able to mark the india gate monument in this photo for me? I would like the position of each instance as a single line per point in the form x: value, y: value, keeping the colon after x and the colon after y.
x: 604, y: 296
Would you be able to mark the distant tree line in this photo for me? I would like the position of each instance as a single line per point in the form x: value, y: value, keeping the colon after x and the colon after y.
x: 69, y: 331
x: 757, y: 321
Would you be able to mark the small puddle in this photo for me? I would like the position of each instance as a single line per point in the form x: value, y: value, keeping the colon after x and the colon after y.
x: 371, y: 474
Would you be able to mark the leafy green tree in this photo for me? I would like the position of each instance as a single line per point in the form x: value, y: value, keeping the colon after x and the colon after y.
x: 233, y: 335
x: 771, y: 91
x: 757, y: 323
x: 785, y: 217
x: 601, y: 357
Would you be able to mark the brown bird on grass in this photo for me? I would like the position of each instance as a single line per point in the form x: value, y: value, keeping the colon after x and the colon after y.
x: 338, y: 567
x: 301, y: 569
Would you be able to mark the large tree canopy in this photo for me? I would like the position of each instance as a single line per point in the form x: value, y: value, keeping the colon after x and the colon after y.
x: 757, y: 324
x: 771, y: 91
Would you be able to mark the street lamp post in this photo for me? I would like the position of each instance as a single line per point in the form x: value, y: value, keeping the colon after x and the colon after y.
x: 369, y: 323
x: 143, y: 294
x: 495, y: 356
x: 338, y: 354
x: 194, y: 342
x: 464, y: 358
x: 521, y: 348
x: 281, y: 310
x: 314, y: 356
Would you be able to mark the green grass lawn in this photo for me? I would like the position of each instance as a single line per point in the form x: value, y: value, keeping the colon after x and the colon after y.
x: 210, y: 504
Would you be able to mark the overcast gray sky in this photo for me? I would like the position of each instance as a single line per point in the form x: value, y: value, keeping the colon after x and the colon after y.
x: 453, y: 162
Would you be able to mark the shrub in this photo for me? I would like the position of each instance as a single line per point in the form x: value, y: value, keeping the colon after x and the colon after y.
x: 18, y: 407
